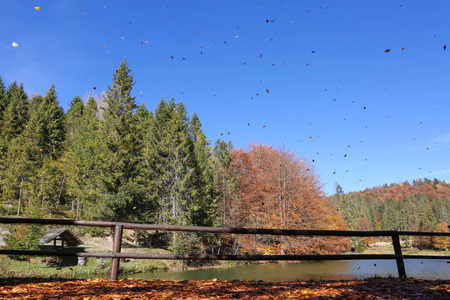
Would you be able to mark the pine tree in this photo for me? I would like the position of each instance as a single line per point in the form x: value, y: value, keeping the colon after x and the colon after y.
x: 169, y: 155
x: 73, y: 119
x: 225, y: 182
x: 4, y: 101
x: 144, y: 127
x: 14, y: 113
x: 122, y: 184
x: 16, y: 96
x: 171, y: 152
x: 50, y: 125
x: 36, y: 101
x: 22, y: 164
x: 83, y: 179
x: 205, y: 206
x: 13, y: 117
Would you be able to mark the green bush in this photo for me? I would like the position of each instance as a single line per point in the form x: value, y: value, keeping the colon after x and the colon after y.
x: 23, y: 237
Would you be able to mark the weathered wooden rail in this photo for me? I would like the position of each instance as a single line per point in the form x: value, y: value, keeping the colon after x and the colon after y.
x: 118, y: 228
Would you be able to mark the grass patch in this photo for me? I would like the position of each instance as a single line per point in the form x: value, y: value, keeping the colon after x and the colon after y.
x: 67, y: 266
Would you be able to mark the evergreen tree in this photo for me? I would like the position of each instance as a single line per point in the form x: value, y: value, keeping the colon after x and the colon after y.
x: 50, y: 125
x: 3, y: 99
x: 225, y: 182
x: 21, y: 166
x: 36, y: 101
x: 124, y: 197
x: 171, y: 153
x: 13, y: 114
x: 390, y: 217
x: 205, y: 206
x: 84, y: 164
x: 16, y: 96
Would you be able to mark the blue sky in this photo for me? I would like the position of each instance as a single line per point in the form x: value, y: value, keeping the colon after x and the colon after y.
x: 362, y: 115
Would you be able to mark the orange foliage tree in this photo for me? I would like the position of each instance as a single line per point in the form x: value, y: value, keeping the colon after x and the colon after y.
x: 276, y: 189
x: 442, y: 242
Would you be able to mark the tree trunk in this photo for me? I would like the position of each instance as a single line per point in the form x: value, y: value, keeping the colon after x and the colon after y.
x: 20, y: 199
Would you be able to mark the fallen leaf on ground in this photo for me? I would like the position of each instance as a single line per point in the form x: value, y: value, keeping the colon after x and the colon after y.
x: 372, y: 288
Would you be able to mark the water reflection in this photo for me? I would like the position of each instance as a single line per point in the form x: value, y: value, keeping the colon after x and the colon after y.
x: 325, y: 270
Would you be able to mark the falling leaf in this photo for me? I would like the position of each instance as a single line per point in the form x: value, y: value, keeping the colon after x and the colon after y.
x: 37, y: 8
x: 445, y: 47
x: 85, y: 12
x: 104, y: 45
x: 267, y: 91
x: 264, y: 125
x: 95, y: 88
x: 14, y: 44
x: 403, y: 48
x: 387, y: 50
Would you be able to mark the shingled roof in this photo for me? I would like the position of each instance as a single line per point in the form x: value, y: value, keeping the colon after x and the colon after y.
x: 62, y: 234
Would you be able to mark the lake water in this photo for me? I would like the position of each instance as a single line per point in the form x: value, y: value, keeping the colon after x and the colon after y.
x: 324, y: 270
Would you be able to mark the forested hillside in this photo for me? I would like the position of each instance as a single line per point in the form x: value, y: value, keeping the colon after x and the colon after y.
x: 422, y: 205
x: 110, y: 159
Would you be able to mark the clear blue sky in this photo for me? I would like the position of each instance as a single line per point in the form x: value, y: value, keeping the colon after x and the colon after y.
x: 373, y: 116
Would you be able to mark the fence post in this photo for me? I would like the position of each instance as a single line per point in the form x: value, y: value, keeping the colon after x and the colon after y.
x: 398, y: 251
x: 118, y: 230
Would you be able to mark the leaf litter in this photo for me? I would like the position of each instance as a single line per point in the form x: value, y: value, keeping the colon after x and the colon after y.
x: 371, y: 288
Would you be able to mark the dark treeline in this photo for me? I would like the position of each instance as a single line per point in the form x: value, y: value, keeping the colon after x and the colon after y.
x: 423, y: 205
x: 116, y: 161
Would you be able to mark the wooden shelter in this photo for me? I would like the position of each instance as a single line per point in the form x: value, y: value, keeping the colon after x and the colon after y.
x: 60, y: 234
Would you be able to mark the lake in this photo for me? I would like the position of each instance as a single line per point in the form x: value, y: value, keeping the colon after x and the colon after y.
x: 324, y: 270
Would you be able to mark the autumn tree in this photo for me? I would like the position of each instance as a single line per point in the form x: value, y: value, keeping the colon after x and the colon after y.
x: 279, y: 190
x: 442, y: 242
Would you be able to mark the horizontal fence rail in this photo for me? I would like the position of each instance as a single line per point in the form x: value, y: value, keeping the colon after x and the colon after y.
x: 118, y: 227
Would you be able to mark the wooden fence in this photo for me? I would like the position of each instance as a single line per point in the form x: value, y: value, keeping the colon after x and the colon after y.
x: 118, y: 228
